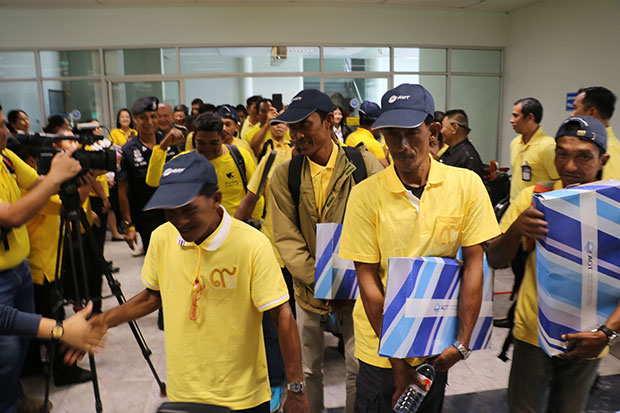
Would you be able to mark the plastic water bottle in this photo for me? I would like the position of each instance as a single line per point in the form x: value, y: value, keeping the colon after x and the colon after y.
x: 410, y: 400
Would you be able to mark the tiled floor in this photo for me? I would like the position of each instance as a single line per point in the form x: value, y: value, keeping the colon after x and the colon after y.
x: 127, y: 385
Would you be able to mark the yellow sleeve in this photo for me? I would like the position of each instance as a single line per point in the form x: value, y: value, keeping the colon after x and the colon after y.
x: 52, y: 207
x: 359, y: 231
x: 375, y: 148
x: 250, y: 134
x: 548, y: 158
x: 189, y: 141
x: 250, y: 168
x: 522, y: 202
x: 25, y: 175
x: 479, y: 222
x: 254, y: 182
x: 156, y: 166
x: 267, y: 286
x: 150, y: 268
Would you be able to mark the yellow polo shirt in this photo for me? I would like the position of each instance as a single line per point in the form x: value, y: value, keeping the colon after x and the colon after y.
x: 228, y: 177
x: 385, y: 220
x: 43, y: 231
x: 321, y: 175
x: 218, y: 358
x: 284, y: 153
x: 22, y: 176
x: 247, y: 126
x: 118, y: 137
x: 612, y: 169
x: 539, y: 153
x: 365, y: 136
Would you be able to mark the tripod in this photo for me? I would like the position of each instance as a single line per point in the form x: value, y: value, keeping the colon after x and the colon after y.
x: 72, y: 216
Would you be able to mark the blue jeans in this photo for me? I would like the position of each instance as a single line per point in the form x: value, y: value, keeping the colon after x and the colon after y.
x: 16, y: 291
x: 542, y: 384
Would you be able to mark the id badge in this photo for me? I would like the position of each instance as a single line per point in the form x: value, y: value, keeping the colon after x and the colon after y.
x: 526, y: 172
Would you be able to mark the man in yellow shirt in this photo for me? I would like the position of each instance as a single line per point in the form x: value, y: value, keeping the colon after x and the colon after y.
x: 414, y: 208
x: 326, y: 173
x: 599, y: 103
x: 539, y: 383
x: 369, y: 112
x: 214, y: 276
x: 259, y: 136
x: 15, y: 281
x: 532, y: 152
x: 234, y: 166
x: 252, y: 119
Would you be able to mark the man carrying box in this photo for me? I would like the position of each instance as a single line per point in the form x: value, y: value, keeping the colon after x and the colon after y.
x: 415, y: 207
x: 538, y: 381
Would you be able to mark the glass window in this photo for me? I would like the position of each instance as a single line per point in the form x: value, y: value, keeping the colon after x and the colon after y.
x: 69, y: 63
x: 236, y: 90
x: 419, y: 60
x: 17, y: 65
x: 356, y: 59
x: 436, y: 84
x: 350, y: 93
x: 248, y: 59
x: 485, y: 61
x: 140, y: 61
x: 67, y: 97
x: 124, y: 94
x: 479, y: 97
x: 22, y: 96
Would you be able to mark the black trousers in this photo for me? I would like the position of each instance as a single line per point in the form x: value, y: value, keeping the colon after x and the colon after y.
x: 261, y: 408
x: 375, y: 388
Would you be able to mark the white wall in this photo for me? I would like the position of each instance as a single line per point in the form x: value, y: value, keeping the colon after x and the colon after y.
x: 555, y: 47
x: 325, y: 24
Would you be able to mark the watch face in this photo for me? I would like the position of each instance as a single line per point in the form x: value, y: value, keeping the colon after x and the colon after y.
x: 57, y: 332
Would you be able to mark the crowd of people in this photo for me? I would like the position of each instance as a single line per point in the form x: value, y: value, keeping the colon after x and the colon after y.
x: 224, y: 202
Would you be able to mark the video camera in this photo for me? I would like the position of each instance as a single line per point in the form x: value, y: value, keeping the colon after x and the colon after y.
x: 42, y: 144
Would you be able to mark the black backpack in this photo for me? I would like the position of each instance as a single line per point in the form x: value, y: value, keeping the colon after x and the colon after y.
x: 240, y: 162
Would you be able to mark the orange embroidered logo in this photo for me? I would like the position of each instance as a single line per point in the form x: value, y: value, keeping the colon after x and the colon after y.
x: 223, y: 278
x: 449, y: 234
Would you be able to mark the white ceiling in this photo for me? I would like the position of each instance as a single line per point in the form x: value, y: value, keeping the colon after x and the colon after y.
x: 482, y: 5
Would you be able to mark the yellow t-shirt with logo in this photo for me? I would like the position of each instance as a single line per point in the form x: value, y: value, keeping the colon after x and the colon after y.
x: 283, y: 154
x: 365, y: 136
x: 385, y: 220
x: 218, y: 358
x: 321, y: 175
x: 22, y: 176
x: 539, y: 154
x: 612, y: 168
x: 43, y: 231
x: 228, y: 177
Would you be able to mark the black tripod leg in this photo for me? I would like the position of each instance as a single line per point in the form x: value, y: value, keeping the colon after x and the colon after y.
x: 118, y: 293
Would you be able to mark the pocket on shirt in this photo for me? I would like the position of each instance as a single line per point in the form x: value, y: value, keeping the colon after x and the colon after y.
x: 448, y: 230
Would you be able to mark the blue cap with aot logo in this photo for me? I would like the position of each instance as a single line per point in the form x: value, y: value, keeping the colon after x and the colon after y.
x: 304, y: 104
x: 228, y: 112
x: 405, y: 106
x: 590, y: 129
x: 181, y: 181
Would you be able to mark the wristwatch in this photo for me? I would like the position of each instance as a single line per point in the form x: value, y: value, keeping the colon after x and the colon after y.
x: 465, y: 352
x: 296, y: 386
x: 126, y: 225
x: 612, y: 336
x: 57, y: 331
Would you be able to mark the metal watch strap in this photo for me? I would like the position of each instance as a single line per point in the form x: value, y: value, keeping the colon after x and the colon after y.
x: 465, y: 352
x: 296, y: 386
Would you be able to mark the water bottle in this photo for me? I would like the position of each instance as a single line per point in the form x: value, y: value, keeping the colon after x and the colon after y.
x: 410, y: 400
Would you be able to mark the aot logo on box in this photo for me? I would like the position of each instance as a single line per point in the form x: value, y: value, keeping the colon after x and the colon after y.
x: 589, y: 249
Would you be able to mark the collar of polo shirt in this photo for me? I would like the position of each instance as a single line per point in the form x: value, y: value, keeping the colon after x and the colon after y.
x: 217, y: 237
x: 394, y: 184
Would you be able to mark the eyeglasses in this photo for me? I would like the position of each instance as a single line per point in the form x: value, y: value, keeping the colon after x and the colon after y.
x: 196, y: 293
x: 461, y: 126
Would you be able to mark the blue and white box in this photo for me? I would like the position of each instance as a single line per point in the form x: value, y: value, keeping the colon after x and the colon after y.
x: 578, y: 262
x: 335, y: 278
x: 420, y: 314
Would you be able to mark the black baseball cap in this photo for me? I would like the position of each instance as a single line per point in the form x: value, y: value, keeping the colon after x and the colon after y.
x: 370, y: 110
x: 181, y: 181
x: 228, y: 112
x: 590, y: 129
x: 145, y: 104
x: 304, y: 104
x: 405, y: 106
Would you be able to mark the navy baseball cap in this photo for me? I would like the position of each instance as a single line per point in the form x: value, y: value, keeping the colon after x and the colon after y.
x: 304, y: 104
x: 181, y: 181
x: 370, y: 110
x: 145, y: 104
x: 228, y: 112
x: 405, y: 106
x: 590, y: 129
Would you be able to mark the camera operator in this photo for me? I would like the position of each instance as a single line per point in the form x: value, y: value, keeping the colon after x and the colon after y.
x: 15, y: 280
